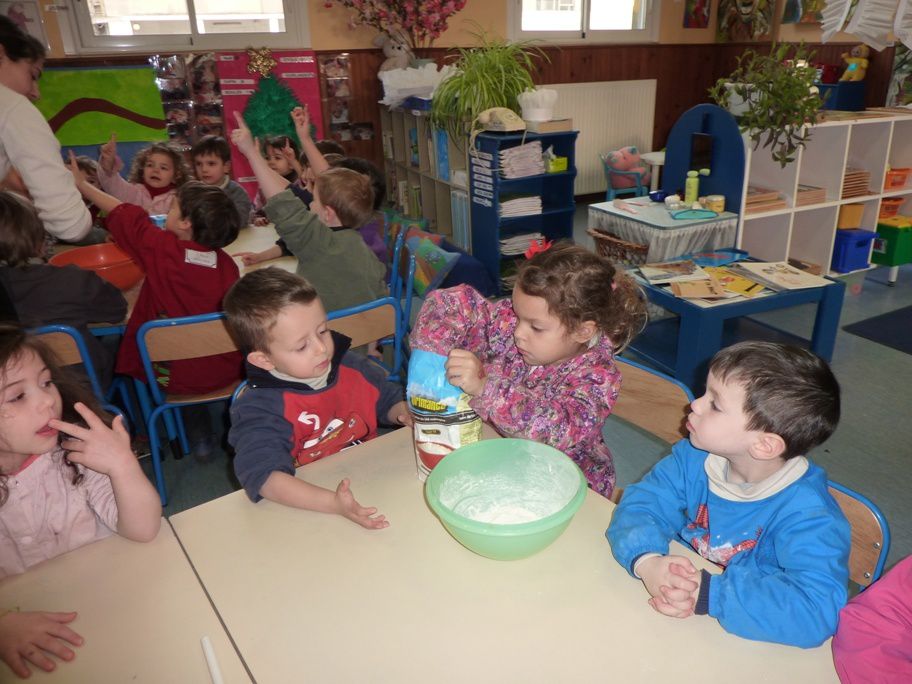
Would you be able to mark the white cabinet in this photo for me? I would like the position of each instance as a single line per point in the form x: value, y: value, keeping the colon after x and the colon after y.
x: 808, y: 232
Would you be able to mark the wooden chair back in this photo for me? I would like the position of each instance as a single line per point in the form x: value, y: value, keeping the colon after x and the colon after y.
x: 189, y: 341
x: 870, y: 535
x: 653, y: 402
x: 367, y: 326
x: 63, y: 346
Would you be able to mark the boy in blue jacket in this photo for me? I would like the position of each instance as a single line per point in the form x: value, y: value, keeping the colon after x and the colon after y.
x: 308, y: 397
x: 741, y: 493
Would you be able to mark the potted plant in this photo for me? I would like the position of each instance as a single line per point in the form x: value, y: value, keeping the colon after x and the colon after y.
x: 773, y: 97
x: 490, y: 75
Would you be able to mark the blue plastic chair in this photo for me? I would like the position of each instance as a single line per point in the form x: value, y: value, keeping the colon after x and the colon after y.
x: 638, y: 190
x: 178, y: 339
x: 870, y: 534
x: 70, y: 349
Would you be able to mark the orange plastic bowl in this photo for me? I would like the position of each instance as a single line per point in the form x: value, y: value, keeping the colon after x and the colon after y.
x: 107, y: 260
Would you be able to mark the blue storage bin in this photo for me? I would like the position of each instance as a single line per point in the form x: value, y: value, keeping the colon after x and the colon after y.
x: 851, y: 250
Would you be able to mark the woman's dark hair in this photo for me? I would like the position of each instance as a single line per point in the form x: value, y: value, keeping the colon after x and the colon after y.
x: 14, y: 342
x: 18, y: 44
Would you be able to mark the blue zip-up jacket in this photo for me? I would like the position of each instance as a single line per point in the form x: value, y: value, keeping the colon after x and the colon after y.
x: 785, y: 556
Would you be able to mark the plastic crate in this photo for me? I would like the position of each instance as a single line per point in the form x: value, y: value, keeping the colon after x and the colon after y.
x: 893, y: 246
x: 889, y: 206
x: 896, y: 178
x: 851, y: 250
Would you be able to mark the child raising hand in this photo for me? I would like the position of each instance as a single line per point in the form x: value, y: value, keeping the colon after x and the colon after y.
x: 57, y: 495
x: 541, y: 365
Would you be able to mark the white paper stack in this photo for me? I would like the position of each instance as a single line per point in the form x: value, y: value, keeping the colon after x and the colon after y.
x: 518, y: 244
x: 524, y: 205
x: 522, y: 160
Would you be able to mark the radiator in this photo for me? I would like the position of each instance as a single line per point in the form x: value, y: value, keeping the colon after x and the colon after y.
x: 608, y: 115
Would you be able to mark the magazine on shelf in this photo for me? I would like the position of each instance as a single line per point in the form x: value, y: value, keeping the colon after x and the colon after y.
x: 662, y: 272
x: 778, y: 275
x: 709, y: 288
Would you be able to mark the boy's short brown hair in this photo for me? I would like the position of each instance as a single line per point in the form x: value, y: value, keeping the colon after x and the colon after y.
x: 788, y: 391
x: 21, y: 231
x: 214, y: 145
x: 212, y: 214
x: 348, y: 193
x: 254, y: 302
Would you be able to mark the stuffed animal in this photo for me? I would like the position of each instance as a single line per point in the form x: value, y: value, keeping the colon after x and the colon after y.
x: 626, y: 159
x: 856, y: 63
x: 395, y: 49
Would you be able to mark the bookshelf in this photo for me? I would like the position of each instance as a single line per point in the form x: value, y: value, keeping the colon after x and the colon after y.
x: 425, y: 172
x: 488, y: 188
x: 847, y: 160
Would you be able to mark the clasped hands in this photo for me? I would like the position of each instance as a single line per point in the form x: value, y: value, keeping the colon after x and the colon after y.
x: 673, y: 584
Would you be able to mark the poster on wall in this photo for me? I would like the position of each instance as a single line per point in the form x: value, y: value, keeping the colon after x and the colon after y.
x: 240, y: 75
x: 744, y: 20
x: 899, y: 94
x: 26, y: 16
x: 802, y: 11
x: 85, y: 106
x: 696, y: 13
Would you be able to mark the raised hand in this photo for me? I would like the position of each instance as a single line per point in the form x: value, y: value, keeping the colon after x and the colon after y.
x: 301, y: 118
x: 101, y: 448
x: 242, y: 138
x: 108, y: 154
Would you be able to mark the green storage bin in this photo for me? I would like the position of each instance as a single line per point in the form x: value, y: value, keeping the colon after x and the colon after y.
x: 893, y: 246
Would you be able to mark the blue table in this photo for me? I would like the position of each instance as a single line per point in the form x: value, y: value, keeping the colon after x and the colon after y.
x: 682, y: 346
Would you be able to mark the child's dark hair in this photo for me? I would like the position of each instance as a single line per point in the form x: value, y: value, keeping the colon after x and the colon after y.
x: 329, y: 146
x: 87, y: 165
x: 211, y: 213
x: 581, y: 286
x: 17, y: 44
x: 378, y: 184
x: 254, y: 302
x: 214, y: 145
x: 788, y: 391
x: 279, y: 142
x: 21, y: 231
x: 181, y: 170
x: 14, y: 344
x: 348, y: 193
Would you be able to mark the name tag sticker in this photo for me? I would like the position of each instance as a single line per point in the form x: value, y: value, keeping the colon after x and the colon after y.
x: 207, y: 259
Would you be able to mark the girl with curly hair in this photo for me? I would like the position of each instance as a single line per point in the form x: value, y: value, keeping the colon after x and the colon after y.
x: 155, y: 175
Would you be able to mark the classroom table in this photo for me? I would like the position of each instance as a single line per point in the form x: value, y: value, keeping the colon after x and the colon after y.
x: 682, y: 345
x: 649, y: 223
x: 256, y: 239
x: 313, y: 597
x: 142, y: 613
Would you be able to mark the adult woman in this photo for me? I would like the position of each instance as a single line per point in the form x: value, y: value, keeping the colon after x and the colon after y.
x: 27, y: 144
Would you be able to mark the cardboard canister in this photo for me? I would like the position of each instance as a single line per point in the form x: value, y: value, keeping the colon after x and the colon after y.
x: 715, y: 203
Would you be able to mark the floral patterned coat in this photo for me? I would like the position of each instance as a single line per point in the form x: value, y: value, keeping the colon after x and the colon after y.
x: 563, y: 405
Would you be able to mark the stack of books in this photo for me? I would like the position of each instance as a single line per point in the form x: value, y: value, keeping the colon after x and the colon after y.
x: 856, y: 183
x: 552, y: 126
x: 518, y: 244
x: 520, y: 205
x: 762, y: 199
x: 778, y: 275
x: 522, y: 160
x: 709, y: 285
x: 664, y: 272
x: 809, y: 194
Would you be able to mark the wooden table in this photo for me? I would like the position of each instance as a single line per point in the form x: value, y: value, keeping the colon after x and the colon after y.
x: 313, y: 597
x: 141, y: 609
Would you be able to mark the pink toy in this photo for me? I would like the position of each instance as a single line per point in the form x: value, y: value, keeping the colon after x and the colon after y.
x: 626, y: 159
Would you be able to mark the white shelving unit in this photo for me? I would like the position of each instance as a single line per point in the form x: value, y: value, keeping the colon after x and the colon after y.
x: 423, y: 169
x: 808, y: 232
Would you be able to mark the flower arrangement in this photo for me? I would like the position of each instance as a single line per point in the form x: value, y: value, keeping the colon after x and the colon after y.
x: 420, y: 22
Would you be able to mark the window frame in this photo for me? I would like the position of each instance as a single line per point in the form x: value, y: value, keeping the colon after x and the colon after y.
x: 650, y: 34
x: 79, y: 37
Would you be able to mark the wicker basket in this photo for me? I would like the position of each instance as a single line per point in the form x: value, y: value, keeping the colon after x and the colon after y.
x: 619, y: 251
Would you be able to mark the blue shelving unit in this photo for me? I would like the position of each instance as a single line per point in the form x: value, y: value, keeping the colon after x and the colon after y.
x: 487, y: 189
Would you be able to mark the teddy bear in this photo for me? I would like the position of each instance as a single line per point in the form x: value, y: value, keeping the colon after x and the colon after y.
x: 626, y: 159
x: 395, y: 49
x: 856, y: 63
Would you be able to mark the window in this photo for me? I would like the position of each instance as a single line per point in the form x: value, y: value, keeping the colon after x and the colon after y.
x: 602, y: 21
x: 102, y: 25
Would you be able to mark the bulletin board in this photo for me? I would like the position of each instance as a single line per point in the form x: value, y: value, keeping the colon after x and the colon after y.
x: 239, y: 76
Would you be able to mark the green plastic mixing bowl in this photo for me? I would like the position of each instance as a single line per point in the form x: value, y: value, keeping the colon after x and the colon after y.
x: 505, y: 480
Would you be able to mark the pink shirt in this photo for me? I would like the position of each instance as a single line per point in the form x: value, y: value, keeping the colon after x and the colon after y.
x: 46, y: 515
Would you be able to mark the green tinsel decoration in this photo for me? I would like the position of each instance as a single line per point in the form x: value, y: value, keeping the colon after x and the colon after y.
x: 268, y: 110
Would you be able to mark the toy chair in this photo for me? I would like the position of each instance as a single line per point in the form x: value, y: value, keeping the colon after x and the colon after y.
x: 380, y: 319
x: 177, y: 339
x: 625, y: 173
x: 70, y: 348
x: 652, y: 401
x: 870, y: 534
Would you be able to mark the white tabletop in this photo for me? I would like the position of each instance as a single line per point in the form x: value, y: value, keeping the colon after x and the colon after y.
x: 307, y: 595
x: 256, y: 239
x: 141, y: 610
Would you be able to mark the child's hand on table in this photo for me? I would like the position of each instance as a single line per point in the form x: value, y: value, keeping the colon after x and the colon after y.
x: 672, y: 582
x: 465, y: 371
x: 28, y: 638
x: 242, y: 138
x: 249, y: 258
x: 347, y: 507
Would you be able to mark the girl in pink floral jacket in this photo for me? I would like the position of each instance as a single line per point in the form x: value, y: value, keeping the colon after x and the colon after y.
x: 541, y: 365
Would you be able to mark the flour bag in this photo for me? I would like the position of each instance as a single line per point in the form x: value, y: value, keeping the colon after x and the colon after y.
x: 443, y: 419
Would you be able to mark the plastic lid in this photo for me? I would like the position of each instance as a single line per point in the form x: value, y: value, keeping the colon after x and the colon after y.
x: 691, y: 174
